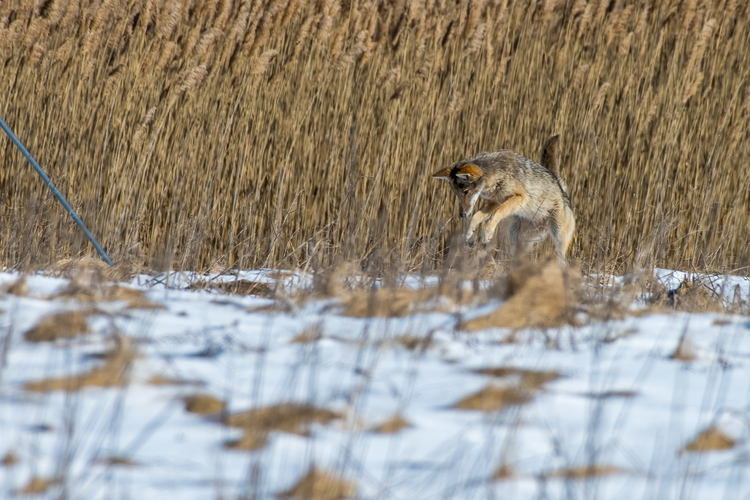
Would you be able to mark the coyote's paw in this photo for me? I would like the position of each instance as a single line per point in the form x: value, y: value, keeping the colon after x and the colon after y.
x: 469, y: 239
x: 487, y: 236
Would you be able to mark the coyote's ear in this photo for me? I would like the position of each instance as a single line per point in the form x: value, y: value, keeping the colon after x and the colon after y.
x: 469, y: 172
x: 444, y: 174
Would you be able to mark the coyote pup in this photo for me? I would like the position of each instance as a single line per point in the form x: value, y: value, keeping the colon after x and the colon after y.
x: 514, y: 186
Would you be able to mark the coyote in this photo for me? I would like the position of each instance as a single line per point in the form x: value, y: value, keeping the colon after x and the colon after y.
x: 514, y: 186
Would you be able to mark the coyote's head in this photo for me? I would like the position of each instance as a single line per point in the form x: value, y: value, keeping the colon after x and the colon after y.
x: 467, y: 181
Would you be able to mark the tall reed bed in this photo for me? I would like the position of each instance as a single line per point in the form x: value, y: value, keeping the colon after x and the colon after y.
x: 213, y: 133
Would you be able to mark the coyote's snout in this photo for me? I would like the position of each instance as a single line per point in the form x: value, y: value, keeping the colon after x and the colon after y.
x: 514, y: 186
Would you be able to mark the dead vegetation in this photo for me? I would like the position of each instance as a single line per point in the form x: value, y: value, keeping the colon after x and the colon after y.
x: 493, y: 398
x: 9, y: 459
x: 527, y: 379
x: 321, y: 485
x: 584, y: 472
x: 710, y: 439
x: 114, y: 373
x: 392, y: 425
x: 63, y: 325
x: 204, y: 404
x: 538, y: 296
x: 257, y: 423
x: 237, y: 287
x: 37, y: 485
x: 348, y: 107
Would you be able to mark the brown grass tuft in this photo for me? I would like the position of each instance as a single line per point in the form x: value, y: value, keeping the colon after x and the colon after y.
x: 539, y: 298
x: 204, y: 404
x: 59, y: 326
x: 529, y: 379
x: 321, y: 485
x: 37, y: 485
x: 293, y: 418
x: 392, y: 425
x: 710, y: 439
x: 114, y: 373
x: 493, y: 398
x: 685, y: 351
x: 237, y: 287
x: 505, y: 471
x: 10, y: 459
x: 18, y: 287
x: 584, y: 472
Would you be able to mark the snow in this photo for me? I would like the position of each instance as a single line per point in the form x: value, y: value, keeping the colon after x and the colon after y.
x: 621, y: 401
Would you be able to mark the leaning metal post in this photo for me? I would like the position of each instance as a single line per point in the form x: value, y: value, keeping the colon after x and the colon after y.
x: 56, y: 192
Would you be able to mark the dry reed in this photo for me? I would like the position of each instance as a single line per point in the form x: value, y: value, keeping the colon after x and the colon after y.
x: 203, y: 131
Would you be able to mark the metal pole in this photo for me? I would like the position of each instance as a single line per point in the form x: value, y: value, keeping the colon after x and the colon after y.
x: 56, y: 192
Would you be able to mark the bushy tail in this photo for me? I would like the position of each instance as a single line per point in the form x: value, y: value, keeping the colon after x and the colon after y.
x: 550, y: 157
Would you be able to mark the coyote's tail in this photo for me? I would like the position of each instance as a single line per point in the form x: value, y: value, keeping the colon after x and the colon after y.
x: 550, y: 157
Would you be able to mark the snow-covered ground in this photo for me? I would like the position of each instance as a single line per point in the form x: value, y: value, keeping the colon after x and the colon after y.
x: 620, y: 401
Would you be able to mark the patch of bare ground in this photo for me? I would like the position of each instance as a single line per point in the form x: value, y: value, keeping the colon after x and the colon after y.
x: 114, y: 373
x: 538, y: 296
x: 10, y: 459
x: 63, y: 325
x: 320, y: 485
x: 237, y: 287
x: 710, y: 439
x: 204, y: 404
x: 584, y: 472
x: 392, y: 425
x: 37, y: 485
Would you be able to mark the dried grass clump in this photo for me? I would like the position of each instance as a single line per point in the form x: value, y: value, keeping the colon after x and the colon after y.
x: 104, y: 292
x: 710, y: 439
x: 505, y: 471
x: 204, y: 404
x: 37, y: 485
x: 493, y: 398
x: 293, y: 418
x: 394, y: 424
x: 237, y: 287
x: 114, y: 373
x: 63, y: 325
x: 321, y: 485
x: 18, y: 287
x: 685, y: 351
x: 399, y: 302
x: 690, y: 296
x: 9, y: 459
x: 529, y: 379
x: 585, y: 472
x: 540, y: 297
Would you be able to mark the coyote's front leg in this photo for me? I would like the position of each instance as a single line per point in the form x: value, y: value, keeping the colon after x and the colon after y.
x: 508, y: 207
x: 479, y: 217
